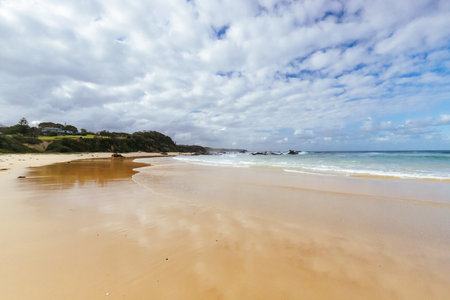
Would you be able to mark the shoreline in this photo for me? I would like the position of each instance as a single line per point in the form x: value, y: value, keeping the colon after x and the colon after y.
x: 404, y: 189
x: 352, y: 193
x: 417, y: 166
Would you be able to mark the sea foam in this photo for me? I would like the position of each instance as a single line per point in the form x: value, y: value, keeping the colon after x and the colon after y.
x: 430, y: 165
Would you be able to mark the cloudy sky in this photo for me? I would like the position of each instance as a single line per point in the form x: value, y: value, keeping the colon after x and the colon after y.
x: 256, y: 74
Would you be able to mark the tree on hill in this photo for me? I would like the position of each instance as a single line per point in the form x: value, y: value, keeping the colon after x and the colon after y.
x: 50, y: 124
x: 70, y: 128
x: 23, y: 122
x: 22, y: 127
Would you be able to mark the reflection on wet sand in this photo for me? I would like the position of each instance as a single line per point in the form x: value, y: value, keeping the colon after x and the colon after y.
x: 123, y: 241
x: 80, y: 172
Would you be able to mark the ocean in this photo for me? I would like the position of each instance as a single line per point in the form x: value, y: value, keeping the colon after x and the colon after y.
x: 428, y: 165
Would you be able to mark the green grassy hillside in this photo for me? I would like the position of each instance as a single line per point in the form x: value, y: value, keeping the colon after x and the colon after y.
x: 56, y: 138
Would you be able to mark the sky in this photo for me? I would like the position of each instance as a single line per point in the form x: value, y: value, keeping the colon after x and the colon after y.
x: 253, y: 74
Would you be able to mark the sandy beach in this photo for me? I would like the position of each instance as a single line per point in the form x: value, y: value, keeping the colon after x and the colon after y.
x: 85, y: 226
x: 10, y: 163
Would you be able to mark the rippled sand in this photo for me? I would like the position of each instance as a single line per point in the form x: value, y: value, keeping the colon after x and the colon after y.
x: 95, y: 228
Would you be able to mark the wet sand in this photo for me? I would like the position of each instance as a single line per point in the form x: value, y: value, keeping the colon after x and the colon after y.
x: 10, y: 163
x: 90, y: 229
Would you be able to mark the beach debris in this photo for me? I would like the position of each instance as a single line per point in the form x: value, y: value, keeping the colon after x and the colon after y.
x: 4, y: 169
x: 167, y: 258
x: 107, y: 293
x: 21, y: 176
x: 117, y: 155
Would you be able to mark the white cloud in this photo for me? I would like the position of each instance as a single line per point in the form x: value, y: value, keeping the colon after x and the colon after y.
x: 316, y: 67
x: 385, y: 125
x: 444, y: 119
x: 383, y: 139
x: 367, y: 124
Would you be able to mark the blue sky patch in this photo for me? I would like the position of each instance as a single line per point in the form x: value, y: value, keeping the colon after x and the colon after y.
x: 221, y: 32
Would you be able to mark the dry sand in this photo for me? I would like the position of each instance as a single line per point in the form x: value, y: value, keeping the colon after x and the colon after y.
x: 91, y: 229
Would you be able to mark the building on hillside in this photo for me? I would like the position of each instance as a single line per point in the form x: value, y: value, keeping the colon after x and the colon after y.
x: 53, y: 130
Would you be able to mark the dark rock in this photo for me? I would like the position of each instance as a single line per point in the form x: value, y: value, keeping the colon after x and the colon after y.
x: 21, y: 176
x: 293, y: 152
x: 259, y: 153
x: 117, y: 155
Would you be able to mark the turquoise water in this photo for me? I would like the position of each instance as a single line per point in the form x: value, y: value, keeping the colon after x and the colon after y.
x: 402, y: 164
